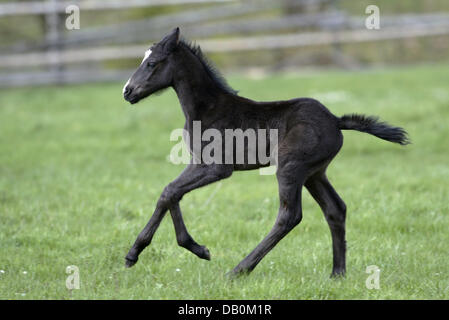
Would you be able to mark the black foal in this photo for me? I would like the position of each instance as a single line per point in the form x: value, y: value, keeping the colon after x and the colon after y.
x: 309, y: 137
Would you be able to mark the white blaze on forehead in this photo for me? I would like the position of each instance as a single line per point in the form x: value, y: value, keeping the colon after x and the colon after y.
x: 147, y: 54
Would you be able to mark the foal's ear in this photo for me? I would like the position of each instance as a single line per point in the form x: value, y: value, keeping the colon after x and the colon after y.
x: 172, y: 40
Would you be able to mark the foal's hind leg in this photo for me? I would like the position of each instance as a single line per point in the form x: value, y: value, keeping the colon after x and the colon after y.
x: 289, y: 215
x: 334, y: 210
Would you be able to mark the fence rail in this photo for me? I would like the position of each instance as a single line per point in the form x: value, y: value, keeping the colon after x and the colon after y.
x: 291, y: 40
x: 44, y: 7
x: 267, y: 25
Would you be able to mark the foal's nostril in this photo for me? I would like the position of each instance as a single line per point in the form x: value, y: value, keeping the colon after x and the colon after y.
x: 127, y: 91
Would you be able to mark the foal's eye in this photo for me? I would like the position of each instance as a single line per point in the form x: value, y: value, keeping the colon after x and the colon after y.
x: 151, y: 64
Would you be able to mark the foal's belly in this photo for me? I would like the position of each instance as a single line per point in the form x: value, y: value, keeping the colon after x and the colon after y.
x: 245, y: 167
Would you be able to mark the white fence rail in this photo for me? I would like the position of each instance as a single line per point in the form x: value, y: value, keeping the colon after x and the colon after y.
x: 290, y: 40
x: 266, y: 25
x: 44, y: 7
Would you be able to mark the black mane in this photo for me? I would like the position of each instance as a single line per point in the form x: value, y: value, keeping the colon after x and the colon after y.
x: 210, y: 68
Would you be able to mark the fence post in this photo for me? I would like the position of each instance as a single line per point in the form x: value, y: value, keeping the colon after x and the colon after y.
x: 53, y: 37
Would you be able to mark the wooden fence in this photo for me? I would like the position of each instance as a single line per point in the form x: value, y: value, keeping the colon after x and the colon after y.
x: 221, y: 26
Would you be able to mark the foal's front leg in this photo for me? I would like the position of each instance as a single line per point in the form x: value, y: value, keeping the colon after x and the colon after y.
x: 183, y: 237
x: 193, y: 177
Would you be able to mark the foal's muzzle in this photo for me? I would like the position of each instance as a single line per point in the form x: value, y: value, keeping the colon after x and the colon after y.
x: 130, y: 94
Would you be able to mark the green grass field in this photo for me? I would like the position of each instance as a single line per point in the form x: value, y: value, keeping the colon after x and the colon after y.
x: 81, y: 171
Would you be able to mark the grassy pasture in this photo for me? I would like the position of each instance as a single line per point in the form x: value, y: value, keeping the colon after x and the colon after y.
x: 81, y: 171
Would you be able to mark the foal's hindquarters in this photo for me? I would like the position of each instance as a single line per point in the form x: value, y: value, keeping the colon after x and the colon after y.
x: 304, y: 152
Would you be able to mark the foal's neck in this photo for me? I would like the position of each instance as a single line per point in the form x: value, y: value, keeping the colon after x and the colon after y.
x: 196, y: 90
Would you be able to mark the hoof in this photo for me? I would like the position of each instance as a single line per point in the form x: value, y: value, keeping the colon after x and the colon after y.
x: 236, y: 273
x: 129, y: 262
x: 205, y: 253
x: 338, y: 274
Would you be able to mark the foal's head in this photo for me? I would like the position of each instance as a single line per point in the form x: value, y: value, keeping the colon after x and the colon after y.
x: 156, y: 70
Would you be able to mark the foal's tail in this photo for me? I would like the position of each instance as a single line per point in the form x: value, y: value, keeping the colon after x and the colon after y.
x: 372, y: 125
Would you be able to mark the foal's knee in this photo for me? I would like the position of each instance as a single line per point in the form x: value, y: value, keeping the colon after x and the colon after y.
x: 169, y: 197
x: 289, y: 219
x: 296, y: 220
